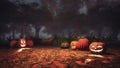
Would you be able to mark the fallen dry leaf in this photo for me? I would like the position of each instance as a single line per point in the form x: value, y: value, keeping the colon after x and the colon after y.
x: 35, y: 66
x: 105, y: 61
x: 88, y: 60
x: 80, y: 63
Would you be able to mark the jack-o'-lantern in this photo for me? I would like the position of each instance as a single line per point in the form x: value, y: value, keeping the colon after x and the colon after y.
x: 97, y: 47
x: 22, y: 42
x: 30, y: 43
x: 73, y: 44
x: 64, y: 45
x: 83, y: 43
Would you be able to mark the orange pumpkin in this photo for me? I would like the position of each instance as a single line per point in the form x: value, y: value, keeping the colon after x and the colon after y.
x: 82, y: 43
x: 22, y: 42
x: 97, y: 47
x: 73, y: 44
x: 30, y: 43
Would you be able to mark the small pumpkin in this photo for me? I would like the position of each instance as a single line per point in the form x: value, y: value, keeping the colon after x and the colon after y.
x: 22, y: 42
x: 73, y: 44
x: 30, y: 43
x: 13, y: 43
x: 64, y: 45
x: 83, y: 43
x: 97, y: 47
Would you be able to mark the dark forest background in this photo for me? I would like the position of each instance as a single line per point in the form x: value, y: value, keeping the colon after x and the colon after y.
x: 44, y: 18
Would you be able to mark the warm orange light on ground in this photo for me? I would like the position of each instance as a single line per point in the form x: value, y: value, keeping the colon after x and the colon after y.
x: 21, y: 49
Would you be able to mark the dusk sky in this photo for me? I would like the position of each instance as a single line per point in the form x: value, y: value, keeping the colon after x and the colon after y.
x: 57, y: 16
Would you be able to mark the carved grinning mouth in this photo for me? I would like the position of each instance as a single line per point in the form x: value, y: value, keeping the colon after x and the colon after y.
x: 93, y: 50
x: 22, y: 45
x: 73, y: 46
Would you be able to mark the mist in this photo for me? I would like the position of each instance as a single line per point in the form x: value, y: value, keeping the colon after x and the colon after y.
x: 44, y: 18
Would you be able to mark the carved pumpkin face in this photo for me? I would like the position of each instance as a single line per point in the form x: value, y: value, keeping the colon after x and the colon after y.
x: 22, y: 42
x: 97, y: 47
x: 73, y: 44
x: 82, y: 43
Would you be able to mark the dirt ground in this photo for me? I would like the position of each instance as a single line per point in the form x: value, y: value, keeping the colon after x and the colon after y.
x: 56, y: 57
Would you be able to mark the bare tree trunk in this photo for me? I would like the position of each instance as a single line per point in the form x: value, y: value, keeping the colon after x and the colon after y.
x: 13, y: 34
x: 37, y: 31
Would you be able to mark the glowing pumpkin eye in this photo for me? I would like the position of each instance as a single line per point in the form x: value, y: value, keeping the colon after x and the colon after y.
x: 93, y: 46
x: 99, y: 46
x: 21, y: 41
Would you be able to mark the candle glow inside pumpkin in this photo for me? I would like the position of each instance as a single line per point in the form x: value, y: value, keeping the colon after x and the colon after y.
x: 22, y: 42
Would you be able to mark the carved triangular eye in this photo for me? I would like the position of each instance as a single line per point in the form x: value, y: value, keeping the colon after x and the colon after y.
x: 99, y: 46
x: 93, y: 46
x: 21, y: 41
